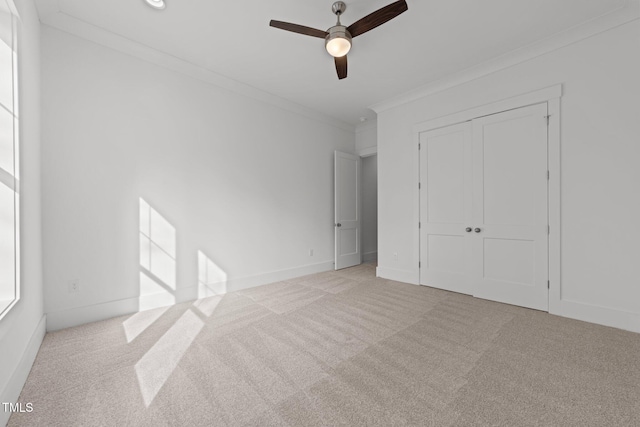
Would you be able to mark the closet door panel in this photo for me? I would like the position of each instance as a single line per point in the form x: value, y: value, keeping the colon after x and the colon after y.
x: 510, y: 247
x: 445, y: 179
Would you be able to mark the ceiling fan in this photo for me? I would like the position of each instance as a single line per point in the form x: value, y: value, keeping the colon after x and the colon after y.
x: 338, y: 38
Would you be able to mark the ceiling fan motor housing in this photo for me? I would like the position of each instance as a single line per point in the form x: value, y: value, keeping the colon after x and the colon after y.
x: 338, y: 42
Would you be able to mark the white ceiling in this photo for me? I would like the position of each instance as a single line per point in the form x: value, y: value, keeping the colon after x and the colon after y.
x: 430, y: 41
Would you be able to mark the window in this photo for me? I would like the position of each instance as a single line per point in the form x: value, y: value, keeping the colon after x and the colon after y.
x: 9, y: 164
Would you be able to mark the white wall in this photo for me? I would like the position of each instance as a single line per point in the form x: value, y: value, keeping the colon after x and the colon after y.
x: 248, y: 184
x: 22, y: 330
x: 600, y: 207
x: 370, y: 208
x: 367, y: 138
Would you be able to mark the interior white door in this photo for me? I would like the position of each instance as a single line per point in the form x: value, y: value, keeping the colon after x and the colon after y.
x: 510, y: 207
x: 445, y: 208
x: 347, y: 210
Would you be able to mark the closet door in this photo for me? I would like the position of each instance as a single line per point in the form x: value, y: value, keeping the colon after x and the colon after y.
x: 445, y: 208
x: 484, y: 207
x: 509, y: 213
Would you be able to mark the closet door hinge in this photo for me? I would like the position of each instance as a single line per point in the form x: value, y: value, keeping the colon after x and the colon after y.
x: 419, y: 225
x: 548, y: 116
x: 548, y: 229
x: 419, y: 186
x: 419, y: 264
x: 548, y: 175
x: 419, y: 146
x: 548, y: 284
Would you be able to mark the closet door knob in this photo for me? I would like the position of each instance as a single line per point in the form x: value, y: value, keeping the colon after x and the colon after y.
x: 468, y: 229
x: 477, y: 230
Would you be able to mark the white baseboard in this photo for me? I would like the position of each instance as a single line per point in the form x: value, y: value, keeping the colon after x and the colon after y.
x: 398, y: 275
x: 236, y: 284
x: 11, y: 392
x: 80, y: 315
x: 605, y: 316
x: 91, y: 313
x: 370, y: 256
x: 601, y: 315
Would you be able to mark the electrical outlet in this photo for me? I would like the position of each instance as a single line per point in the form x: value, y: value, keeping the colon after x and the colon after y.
x: 74, y: 286
x: 310, y: 252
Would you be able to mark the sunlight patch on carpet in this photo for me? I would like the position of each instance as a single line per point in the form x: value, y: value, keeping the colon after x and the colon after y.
x: 139, y: 322
x: 157, y: 365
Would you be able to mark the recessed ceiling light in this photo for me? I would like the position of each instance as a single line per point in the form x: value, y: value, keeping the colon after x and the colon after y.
x: 156, y: 4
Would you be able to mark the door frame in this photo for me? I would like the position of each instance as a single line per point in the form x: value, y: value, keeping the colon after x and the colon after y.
x: 551, y: 96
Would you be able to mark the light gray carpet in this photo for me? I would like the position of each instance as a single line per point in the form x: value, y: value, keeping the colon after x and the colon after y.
x: 336, y: 348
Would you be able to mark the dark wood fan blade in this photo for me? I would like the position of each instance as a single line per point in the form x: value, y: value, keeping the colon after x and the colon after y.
x: 341, y: 67
x: 377, y: 18
x: 300, y: 29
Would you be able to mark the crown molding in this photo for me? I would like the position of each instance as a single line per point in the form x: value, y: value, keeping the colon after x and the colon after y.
x: 47, y: 8
x: 630, y: 11
x: 51, y: 15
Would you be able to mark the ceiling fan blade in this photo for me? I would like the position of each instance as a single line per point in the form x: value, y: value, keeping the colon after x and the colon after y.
x: 377, y: 18
x: 300, y: 29
x: 341, y: 67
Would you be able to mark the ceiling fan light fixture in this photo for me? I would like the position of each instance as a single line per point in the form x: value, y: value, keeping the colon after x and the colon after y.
x: 156, y: 4
x: 338, y: 42
x: 337, y: 39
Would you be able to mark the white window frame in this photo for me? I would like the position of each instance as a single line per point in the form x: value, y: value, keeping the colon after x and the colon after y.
x: 9, y: 179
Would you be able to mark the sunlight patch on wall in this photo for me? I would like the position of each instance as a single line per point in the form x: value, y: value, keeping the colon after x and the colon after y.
x: 212, y: 280
x: 156, y: 366
x: 157, y: 259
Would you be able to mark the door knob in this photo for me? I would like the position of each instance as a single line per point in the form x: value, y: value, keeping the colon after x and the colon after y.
x: 338, y: 225
x: 477, y: 230
x: 468, y: 229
